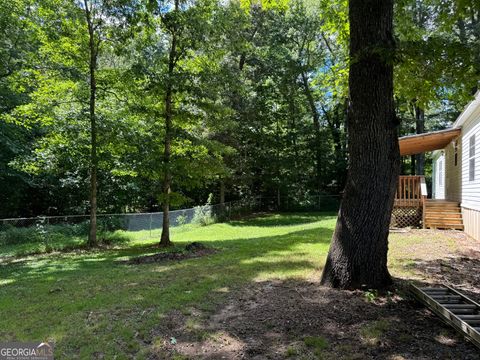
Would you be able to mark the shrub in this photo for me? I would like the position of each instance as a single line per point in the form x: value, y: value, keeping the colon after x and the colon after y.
x: 14, y: 235
x: 181, y: 219
x: 203, y: 215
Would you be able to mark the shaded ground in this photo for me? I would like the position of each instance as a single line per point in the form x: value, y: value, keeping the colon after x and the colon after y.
x: 438, y: 263
x: 300, y: 319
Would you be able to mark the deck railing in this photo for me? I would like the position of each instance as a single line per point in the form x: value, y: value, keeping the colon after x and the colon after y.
x: 411, y: 193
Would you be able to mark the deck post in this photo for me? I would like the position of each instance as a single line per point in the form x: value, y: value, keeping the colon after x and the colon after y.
x: 423, y: 190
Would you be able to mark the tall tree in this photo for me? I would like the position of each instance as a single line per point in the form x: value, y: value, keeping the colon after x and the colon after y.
x: 93, y: 48
x: 358, y: 254
x: 172, y: 25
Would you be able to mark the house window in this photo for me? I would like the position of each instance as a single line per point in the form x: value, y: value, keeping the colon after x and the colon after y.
x: 440, y: 173
x: 471, y: 161
x: 455, y: 151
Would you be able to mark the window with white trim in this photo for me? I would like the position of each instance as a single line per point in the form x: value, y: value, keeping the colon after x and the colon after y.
x: 471, y: 159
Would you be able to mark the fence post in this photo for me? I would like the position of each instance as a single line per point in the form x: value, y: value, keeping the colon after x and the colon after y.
x: 319, y: 207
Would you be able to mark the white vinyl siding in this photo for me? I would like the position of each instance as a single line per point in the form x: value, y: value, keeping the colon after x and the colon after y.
x: 471, y: 158
x: 453, y: 171
x: 470, y: 161
x: 471, y: 222
x: 439, y: 174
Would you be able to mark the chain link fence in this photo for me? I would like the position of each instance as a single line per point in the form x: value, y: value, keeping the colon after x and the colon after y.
x: 144, y: 221
x: 61, y: 232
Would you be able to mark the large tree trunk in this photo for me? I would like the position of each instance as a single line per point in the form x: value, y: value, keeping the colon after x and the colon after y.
x: 358, y: 253
x: 167, y: 180
x: 420, y: 129
x: 93, y: 47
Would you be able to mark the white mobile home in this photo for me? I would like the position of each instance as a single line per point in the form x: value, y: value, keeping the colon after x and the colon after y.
x: 459, y: 178
x: 455, y: 194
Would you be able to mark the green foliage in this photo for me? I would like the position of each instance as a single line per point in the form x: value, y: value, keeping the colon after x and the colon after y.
x: 203, y: 215
x: 44, y: 238
x: 436, y: 68
x: 13, y: 235
x: 181, y: 219
x: 250, y: 81
x: 370, y: 295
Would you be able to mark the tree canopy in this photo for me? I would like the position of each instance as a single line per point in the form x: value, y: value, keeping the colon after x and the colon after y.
x: 236, y: 98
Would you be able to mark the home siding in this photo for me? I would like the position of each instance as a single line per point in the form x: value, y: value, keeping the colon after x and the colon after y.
x: 471, y: 189
x: 471, y: 222
x: 453, y: 173
x: 438, y: 186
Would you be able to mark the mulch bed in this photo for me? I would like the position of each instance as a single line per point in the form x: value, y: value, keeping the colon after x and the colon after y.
x: 192, y: 250
x: 271, y: 320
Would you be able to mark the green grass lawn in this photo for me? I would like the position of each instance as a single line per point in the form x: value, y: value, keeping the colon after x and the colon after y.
x: 91, y: 303
x: 86, y: 301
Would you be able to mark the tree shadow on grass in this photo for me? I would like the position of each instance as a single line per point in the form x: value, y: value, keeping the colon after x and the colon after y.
x: 235, y: 251
x: 220, y: 303
x: 60, y: 294
x: 302, y: 320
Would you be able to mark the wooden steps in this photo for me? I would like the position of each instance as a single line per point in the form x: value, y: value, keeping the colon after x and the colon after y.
x: 443, y: 214
x: 454, y: 308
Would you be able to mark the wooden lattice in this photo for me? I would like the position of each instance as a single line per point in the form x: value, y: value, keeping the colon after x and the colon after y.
x: 406, y: 216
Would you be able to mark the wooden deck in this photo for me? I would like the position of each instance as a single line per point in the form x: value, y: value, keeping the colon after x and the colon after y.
x: 408, y: 208
x: 413, y: 209
x: 443, y: 214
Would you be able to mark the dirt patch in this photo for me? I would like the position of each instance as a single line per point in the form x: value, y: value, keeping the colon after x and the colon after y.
x: 458, y: 268
x: 459, y: 272
x: 299, y: 319
x: 303, y: 320
x: 192, y: 250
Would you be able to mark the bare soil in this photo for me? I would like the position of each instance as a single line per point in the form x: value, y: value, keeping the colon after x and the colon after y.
x: 299, y: 319
x: 192, y: 250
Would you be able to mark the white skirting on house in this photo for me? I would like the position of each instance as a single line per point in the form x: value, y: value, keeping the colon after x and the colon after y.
x: 471, y: 222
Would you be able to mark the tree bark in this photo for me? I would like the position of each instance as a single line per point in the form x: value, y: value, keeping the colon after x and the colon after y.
x: 167, y: 180
x: 93, y: 49
x: 358, y: 253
